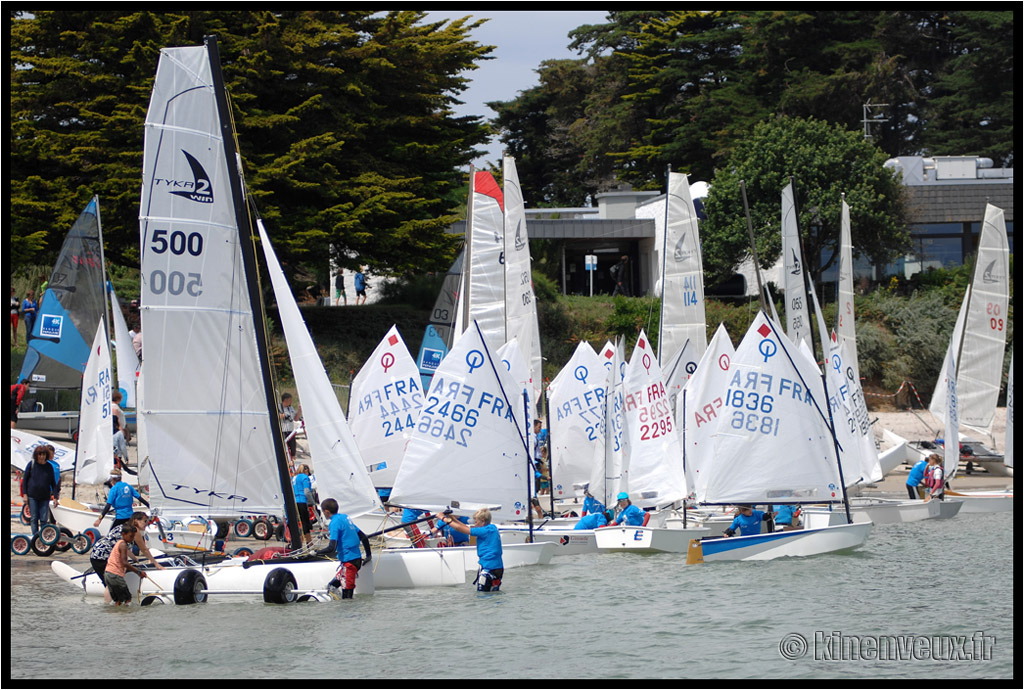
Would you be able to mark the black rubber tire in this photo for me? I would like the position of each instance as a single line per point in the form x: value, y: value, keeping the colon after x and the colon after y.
x: 279, y: 587
x: 223, y: 528
x: 189, y: 588
x: 65, y: 541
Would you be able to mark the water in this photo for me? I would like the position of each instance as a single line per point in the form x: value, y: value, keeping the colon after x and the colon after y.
x: 596, y: 616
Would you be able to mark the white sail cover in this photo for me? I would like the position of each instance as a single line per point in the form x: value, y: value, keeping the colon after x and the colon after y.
x: 24, y: 443
x: 980, y: 342
x: 798, y: 325
x: 207, y: 420
x: 385, y: 402
x: 655, y: 475
x: 339, y: 467
x: 773, y: 443
x: 485, y: 265
x: 682, y: 308
x: 520, y: 302
x: 702, y: 405
x: 124, y: 355
x: 470, y: 443
x: 95, y: 455
x: 845, y: 327
x: 576, y: 411
x: 607, y: 477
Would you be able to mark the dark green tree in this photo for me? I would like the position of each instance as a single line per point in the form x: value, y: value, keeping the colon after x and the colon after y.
x: 345, y: 124
x: 825, y: 162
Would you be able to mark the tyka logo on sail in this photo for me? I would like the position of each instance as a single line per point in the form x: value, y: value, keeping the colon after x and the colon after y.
x: 199, y: 189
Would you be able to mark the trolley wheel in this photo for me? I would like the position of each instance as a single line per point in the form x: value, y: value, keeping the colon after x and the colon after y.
x: 42, y: 549
x: 261, y: 529
x: 279, y: 587
x: 190, y: 587
x: 49, y: 533
x: 243, y: 528
x: 243, y: 551
x: 65, y: 540
x: 93, y: 534
x: 26, y: 515
x: 81, y: 544
x: 21, y: 544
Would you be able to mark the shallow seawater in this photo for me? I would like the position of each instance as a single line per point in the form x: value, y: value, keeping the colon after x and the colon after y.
x: 914, y: 602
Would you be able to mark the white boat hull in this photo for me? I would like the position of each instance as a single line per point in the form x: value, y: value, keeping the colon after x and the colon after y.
x: 884, y: 511
x: 948, y: 508
x: 647, y: 539
x: 805, y: 542
x: 79, y: 521
x: 567, y: 541
x: 983, y: 501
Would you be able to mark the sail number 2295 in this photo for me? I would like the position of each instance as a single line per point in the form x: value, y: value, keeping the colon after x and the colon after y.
x: 177, y: 243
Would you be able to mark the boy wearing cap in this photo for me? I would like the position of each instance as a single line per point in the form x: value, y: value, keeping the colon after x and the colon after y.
x: 121, y: 498
x: 629, y: 514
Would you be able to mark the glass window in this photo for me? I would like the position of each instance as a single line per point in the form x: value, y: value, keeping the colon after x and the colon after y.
x: 937, y: 229
x: 938, y: 251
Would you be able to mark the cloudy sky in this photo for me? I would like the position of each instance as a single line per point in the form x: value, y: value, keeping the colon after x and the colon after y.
x: 523, y: 40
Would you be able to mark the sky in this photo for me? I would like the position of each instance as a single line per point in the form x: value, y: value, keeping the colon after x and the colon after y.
x: 523, y: 40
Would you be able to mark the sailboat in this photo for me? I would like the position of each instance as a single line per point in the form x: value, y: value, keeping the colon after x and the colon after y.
x: 774, y: 446
x: 69, y: 310
x: 470, y: 447
x: 654, y: 470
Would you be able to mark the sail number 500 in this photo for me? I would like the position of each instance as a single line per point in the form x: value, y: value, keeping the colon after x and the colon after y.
x: 178, y: 242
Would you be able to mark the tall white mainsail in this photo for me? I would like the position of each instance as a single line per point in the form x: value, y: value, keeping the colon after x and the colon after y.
x: 520, y: 302
x: 1008, y: 452
x: 979, y: 338
x: 655, y: 475
x: 576, y: 411
x: 682, y: 304
x: 798, y: 325
x: 470, y: 443
x: 124, y: 353
x: 385, y: 402
x: 95, y: 452
x: 845, y: 327
x: 773, y: 443
x: 484, y: 262
x: 951, y: 443
x: 340, y: 471
x: 208, y: 422
x: 702, y: 404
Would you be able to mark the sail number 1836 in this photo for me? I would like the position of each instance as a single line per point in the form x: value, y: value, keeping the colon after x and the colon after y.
x: 752, y: 412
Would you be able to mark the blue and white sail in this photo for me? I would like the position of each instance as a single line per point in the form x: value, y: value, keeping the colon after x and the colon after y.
x: 576, y: 411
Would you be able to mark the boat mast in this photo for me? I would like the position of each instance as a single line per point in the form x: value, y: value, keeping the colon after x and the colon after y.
x: 467, y: 259
x: 245, y: 234
x: 103, y: 273
x: 753, y: 249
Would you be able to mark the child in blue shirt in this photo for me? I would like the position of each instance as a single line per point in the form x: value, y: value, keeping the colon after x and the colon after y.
x: 488, y: 548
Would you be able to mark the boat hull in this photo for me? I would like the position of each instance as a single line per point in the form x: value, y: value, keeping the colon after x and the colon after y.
x: 883, y: 511
x: 648, y: 539
x: 795, y: 543
x: 78, y: 520
x: 567, y: 541
x: 983, y: 501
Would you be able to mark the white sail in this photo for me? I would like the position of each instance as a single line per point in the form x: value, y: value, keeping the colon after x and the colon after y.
x: 682, y: 304
x: 773, y: 444
x: 485, y: 260
x: 207, y: 417
x: 979, y: 348
x: 951, y: 442
x: 385, y: 401
x: 520, y: 302
x: 340, y: 471
x: 655, y: 476
x: 702, y: 405
x: 576, y: 411
x: 607, y: 477
x: 470, y: 442
x: 850, y: 416
x: 24, y: 443
x: 95, y: 453
x: 677, y: 372
x: 798, y: 325
x: 124, y: 354
x: 845, y: 327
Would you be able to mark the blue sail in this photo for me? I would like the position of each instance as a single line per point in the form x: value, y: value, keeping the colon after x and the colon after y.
x: 69, y: 310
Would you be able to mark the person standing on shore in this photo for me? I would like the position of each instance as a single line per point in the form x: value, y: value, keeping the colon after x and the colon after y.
x: 121, y: 499
x: 339, y: 289
x: 289, y: 415
x: 15, y: 308
x: 360, y: 283
x: 28, y: 313
x: 39, y: 484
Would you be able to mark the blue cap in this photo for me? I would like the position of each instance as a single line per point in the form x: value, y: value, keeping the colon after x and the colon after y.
x: 623, y: 496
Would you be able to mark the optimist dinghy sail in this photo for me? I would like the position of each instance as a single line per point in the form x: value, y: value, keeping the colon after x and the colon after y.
x: 608, y: 475
x: 95, y: 450
x: 845, y: 326
x: 979, y: 338
x: 470, y: 442
x: 210, y: 410
x: 576, y: 411
x: 703, y: 404
x: 385, y: 404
